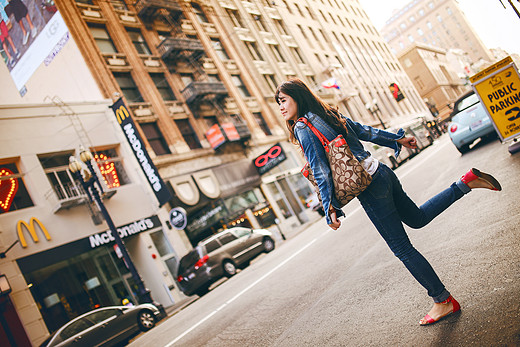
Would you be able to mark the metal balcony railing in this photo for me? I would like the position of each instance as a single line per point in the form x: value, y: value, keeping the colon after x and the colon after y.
x: 173, y: 48
x: 197, y: 91
x: 147, y: 8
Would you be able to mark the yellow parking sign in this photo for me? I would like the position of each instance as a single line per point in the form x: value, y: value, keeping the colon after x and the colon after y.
x: 498, y: 88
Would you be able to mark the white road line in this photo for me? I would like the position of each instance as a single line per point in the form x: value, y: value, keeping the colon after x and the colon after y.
x: 171, y: 343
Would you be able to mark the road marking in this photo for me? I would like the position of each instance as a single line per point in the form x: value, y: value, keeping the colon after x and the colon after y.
x: 171, y: 343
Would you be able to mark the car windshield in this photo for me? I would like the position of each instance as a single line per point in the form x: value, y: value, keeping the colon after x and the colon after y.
x: 469, y: 101
x: 189, y: 260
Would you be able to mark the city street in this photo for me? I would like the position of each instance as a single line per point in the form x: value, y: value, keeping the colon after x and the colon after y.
x: 345, y: 287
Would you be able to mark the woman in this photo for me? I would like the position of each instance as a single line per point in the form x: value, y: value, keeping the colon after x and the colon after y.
x: 384, y: 201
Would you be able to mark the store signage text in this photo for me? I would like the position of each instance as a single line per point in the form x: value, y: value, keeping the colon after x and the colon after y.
x: 31, y: 228
x: 133, y: 137
x: 136, y: 227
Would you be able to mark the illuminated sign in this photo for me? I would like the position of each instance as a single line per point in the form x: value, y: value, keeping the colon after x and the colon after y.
x: 498, y: 88
x: 269, y: 159
x: 132, y: 135
x: 108, y: 170
x: 8, y: 189
x: 178, y: 218
x: 30, y: 227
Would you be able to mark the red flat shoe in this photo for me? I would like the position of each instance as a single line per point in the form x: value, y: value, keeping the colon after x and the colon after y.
x: 456, y: 307
x: 484, y: 180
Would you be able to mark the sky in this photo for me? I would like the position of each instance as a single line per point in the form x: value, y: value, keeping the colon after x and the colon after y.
x: 496, y: 26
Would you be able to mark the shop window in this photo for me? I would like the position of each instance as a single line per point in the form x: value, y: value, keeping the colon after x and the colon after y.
x: 128, y: 87
x: 278, y: 197
x: 219, y: 49
x: 301, y: 187
x: 102, y: 38
x: 237, y: 81
x: 111, y: 168
x: 162, y: 86
x: 155, y: 138
x: 239, y: 203
x: 56, y: 167
x: 261, y: 123
x: 188, y: 133
x: 13, y: 194
x: 139, y: 41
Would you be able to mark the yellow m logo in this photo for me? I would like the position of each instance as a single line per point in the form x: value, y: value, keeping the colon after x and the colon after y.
x: 30, y: 227
x: 122, y: 114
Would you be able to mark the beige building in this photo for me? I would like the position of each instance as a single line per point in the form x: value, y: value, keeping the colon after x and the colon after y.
x: 198, y: 80
x: 433, y: 77
x: 438, y: 23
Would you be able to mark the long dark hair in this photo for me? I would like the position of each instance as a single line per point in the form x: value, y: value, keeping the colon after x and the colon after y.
x: 307, y: 101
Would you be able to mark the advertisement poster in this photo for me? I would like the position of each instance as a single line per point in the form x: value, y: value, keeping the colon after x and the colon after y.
x: 32, y: 32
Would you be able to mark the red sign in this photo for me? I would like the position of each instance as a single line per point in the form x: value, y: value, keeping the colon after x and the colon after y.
x: 8, y: 189
x: 215, y: 136
x: 231, y: 131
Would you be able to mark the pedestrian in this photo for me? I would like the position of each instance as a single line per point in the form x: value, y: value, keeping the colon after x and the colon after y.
x: 6, y: 38
x: 20, y: 11
x: 384, y: 201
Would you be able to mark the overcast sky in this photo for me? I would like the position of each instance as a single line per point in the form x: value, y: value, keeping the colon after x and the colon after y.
x: 496, y: 26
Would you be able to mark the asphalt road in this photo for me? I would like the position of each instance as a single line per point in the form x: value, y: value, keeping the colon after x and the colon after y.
x: 345, y: 287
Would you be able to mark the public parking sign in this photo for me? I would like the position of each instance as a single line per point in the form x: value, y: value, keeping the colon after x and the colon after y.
x: 498, y: 88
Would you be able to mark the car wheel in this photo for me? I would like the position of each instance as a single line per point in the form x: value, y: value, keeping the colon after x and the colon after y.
x: 463, y: 149
x: 229, y: 267
x: 268, y: 244
x: 146, y: 320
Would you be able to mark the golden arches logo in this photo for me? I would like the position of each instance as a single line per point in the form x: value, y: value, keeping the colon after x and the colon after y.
x: 121, y: 114
x: 31, y: 229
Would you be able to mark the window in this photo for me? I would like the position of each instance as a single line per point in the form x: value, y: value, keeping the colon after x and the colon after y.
x: 155, y: 138
x: 128, y: 87
x: 212, y: 245
x: 420, y: 32
x: 237, y: 81
x: 210, y: 121
x: 13, y: 194
x: 311, y: 14
x: 276, y: 52
x: 219, y: 49
x: 56, y: 167
x: 411, y: 19
x: 103, y: 40
x: 253, y: 50
x: 410, y: 38
x: 429, y: 25
x: 439, y: 18
x: 162, y: 86
x: 235, y: 18
x: 302, y: 31
x: 297, y: 55
x: 186, y: 79
x: 259, y: 22
x: 299, y: 10
x: 281, y: 26
x: 226, y: 238
x: 431, y: 5
x: 271, y: 82
x: 111, y: 168
x: 261, y: 123
x: 139, y: 42
x: 287, y: 6
x: 119, y: 5
x: 449, y: 11
x: 199, y: 13
x: 161, y: 242
x: 188, y: 133
x: 403, y: 26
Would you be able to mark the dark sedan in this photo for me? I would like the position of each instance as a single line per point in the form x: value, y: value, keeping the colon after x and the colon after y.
x: 105, y: 326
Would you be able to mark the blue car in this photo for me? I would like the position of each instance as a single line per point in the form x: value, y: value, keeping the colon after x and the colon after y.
x: 469, y: 122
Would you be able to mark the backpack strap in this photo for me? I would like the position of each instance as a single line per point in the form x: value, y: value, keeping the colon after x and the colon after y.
x: 316, y: 132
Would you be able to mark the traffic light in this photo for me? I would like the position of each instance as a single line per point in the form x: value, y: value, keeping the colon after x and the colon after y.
x: 396, y: 92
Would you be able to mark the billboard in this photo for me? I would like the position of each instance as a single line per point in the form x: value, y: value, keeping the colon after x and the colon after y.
x: 32, y: 33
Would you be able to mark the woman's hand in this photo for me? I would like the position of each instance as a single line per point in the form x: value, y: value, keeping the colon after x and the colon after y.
x: 408, y: 141
x: 335, y: 222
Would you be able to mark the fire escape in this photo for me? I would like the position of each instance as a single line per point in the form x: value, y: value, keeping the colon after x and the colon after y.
x: 179, y: 51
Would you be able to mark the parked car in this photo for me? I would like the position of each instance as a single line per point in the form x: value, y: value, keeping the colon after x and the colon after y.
x: 469, y: 122
x: 314, y: 203
x: 106, y: 326
x: 220, y: 255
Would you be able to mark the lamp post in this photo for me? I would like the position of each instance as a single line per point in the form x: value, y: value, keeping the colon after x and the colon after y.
x: 92, y: 187
x: 374, y: 110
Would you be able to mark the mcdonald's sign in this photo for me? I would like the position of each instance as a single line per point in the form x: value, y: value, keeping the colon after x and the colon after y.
x: 30, y: 227
x: 136, y: 143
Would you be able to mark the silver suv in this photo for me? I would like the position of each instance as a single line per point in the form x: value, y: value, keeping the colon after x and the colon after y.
x: 220, y: 255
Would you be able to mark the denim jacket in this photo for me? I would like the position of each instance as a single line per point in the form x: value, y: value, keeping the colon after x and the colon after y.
x: 315, y: 153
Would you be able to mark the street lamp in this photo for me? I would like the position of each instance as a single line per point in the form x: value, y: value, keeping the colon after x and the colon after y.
x: 374, y: 110
x: 92, y: 187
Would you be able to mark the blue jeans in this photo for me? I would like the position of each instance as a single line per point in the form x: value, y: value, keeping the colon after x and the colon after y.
x: 388, y: 207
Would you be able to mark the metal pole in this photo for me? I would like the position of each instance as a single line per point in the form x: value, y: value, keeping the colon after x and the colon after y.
x: 144, y: 293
